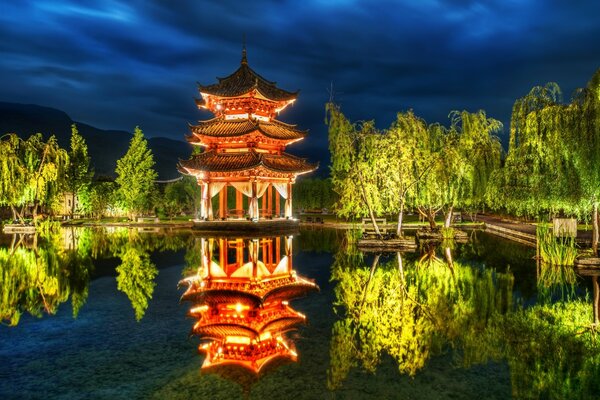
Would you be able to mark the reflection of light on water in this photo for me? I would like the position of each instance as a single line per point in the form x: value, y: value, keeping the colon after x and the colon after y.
x: 240, y: 297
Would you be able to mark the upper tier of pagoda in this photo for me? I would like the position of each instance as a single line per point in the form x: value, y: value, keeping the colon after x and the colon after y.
x: 239, y: 133
x: 244, y: 94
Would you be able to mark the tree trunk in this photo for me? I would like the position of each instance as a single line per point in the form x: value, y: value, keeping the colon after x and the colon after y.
x: 400, y: 267
x: 431, y: 218
x: 72, y: 204
x: 373, y: 266
x: 400, y: 217
x: 595, y: 230
x: 366, y: 200
x: 449, y: 259
x: 596, y: 300
x: 14, y: 213
x: 448, y: 221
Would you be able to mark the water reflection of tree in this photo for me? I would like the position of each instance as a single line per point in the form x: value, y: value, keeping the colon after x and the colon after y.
x: 38, y: 274
x: 409, y: 311
x: 136, y: 273
x: 424, y: 308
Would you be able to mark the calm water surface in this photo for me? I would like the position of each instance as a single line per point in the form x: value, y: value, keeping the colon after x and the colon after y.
x: 97, y: 314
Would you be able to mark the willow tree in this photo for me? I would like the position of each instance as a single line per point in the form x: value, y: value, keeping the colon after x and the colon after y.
x: 429, y: 193
x: 583, y: 141
x: 409, y: 312
x: 79, y: 173
x: 39, y: 275
x: 32, y: 173
x: 472, y: 154
x: 136, y: 175
x: 406, y: 160
x: 12, y: 174
x: 355, y: 176
x: 539, y: 173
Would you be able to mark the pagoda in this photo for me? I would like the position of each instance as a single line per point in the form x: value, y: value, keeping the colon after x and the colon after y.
x: 240, y: 300
x: 243, y: 147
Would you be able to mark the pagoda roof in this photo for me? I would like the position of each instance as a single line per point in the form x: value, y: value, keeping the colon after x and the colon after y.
x: 212, y: 292
x: 213, y: 161
x: 244, y: 80
x: 252, y: 330
x: 221, y: 127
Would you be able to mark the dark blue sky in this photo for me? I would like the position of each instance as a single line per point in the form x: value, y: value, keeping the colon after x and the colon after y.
x: 119, y: 64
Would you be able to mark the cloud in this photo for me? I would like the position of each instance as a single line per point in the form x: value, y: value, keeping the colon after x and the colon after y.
x: 119, y: 64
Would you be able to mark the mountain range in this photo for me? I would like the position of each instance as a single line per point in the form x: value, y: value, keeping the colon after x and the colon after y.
x: 104, y: 146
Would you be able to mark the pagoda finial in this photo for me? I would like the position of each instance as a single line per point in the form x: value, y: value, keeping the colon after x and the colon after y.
x: 244, y: 59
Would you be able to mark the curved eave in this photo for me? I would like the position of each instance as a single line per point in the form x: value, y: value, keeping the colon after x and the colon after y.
x: 265, y: 161
x: 220, y: 296
x: 244, y: 80
x: 260, y: 365
x: 247, y: 127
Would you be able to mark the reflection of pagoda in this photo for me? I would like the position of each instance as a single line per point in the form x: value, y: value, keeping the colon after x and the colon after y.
x: 240, y: 301
x: 244, y: 147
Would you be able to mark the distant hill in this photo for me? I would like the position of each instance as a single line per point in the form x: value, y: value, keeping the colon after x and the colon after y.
x: 105, y: 146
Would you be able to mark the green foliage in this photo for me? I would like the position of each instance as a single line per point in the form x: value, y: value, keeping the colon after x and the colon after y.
x: 313, y: 194
x: 136, y: 176
x: 355, y: 176
x: 32, y: 172
x: 37, y: 276
x: 103, y: 198
x: 135, y: 277
x: 551, y: 351
x: 555, y: 250
x: 409, y: 313
x: 447, y: 232
x: 412, y: 164
x: 553, y: 161
x: 79, y: 173
x: 183, y: 196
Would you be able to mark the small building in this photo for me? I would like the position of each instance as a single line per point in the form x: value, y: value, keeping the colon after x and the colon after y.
x: 244, y: 147
x: 66, y: 204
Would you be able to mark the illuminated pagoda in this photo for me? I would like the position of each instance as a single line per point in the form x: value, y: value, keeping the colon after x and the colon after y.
x: 244, y: 147
x: 240, y: 301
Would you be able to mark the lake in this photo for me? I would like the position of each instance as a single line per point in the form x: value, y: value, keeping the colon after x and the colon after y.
x: 121, y: 313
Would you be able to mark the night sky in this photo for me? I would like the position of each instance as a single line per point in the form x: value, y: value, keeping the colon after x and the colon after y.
x: 119, y: 64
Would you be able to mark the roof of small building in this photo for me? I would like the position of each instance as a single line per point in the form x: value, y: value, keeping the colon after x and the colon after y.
x: 213, y: 161
x: 243, y: 80
x: 221, y: 127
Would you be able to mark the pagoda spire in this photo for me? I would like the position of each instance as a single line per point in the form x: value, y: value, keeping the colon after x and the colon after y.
x: 244, y: 59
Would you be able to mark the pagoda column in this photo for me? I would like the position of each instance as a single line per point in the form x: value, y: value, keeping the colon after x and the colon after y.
x: 239, y: 201
x: 204, y: 202
x: 270, y: 200
x: 254, y: 203
x: 288, y: 201
x: 277, y: 203
x: 209, y: 203
x: 223, y: 203
x: 264, y: 203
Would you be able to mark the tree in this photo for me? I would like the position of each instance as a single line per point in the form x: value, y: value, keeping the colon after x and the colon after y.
x: 79, y: 173
x: 539, y: 174
x: 135, y: 277
x: 354, y: 166
x: 136, y: 176
x: 404, y: 161
x: 32, y: 173
x: 583, y: 141
x: 103, y: 198
x: 12, y: 173
x: 429, y: 196
x: 472, y: 153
